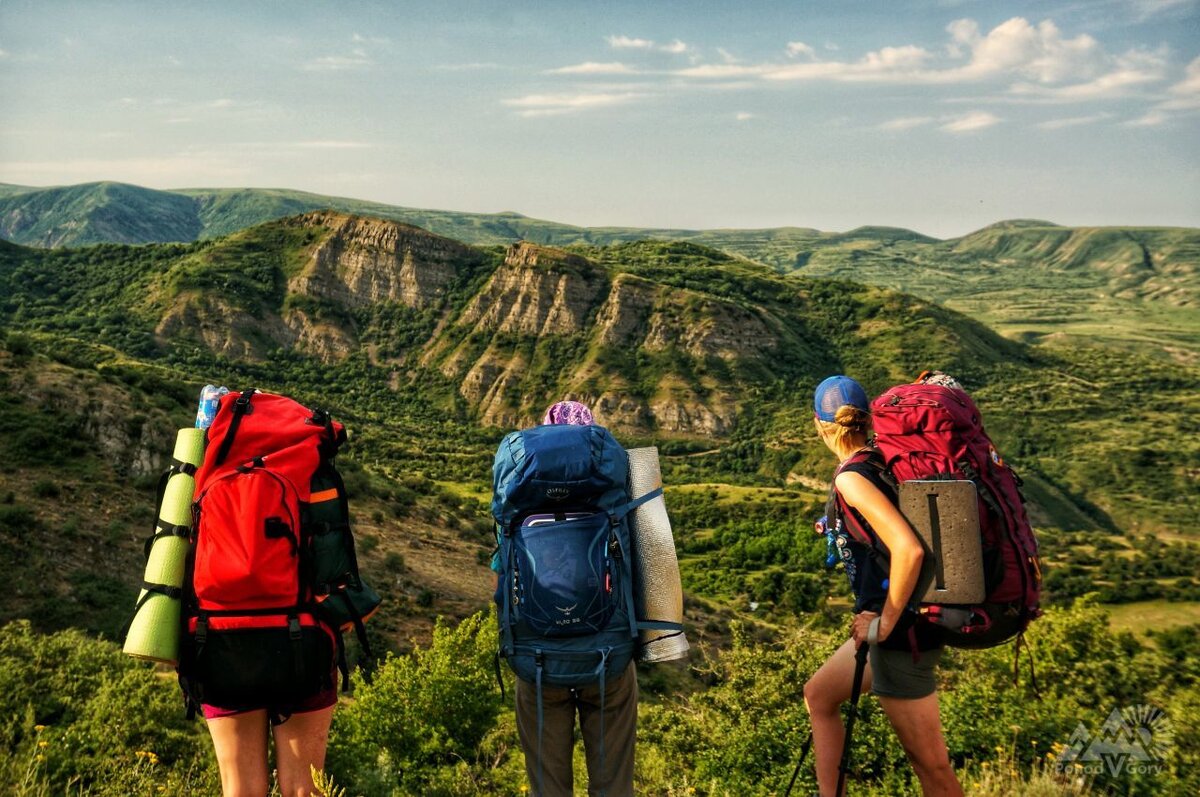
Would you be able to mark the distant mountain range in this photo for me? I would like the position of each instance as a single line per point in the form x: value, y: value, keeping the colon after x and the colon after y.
x: 1026, y: 278
x: 108, y: 212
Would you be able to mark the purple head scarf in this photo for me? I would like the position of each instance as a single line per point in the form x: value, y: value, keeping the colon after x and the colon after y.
x: 569, y: 412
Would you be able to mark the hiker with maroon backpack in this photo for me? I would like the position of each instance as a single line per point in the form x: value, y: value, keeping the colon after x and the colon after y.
x: 271, y: 583
x: 903, y: 651
x: 932, y: 530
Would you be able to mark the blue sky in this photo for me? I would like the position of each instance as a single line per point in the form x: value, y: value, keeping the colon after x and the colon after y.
x: 938, y: 115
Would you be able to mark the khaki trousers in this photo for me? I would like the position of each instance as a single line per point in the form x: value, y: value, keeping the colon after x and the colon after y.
x: 615, y: 778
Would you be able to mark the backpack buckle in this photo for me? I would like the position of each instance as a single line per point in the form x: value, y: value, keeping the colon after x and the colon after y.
x: 201, y: 630
x: 241, y: 405
x: 293, y: 627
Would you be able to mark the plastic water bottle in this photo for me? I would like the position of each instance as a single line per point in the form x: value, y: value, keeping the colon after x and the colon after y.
x: 831, y: 553
x: 210, y: 398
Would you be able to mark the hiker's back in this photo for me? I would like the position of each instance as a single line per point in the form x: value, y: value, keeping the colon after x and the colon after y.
x: 564, y: 594
x: 272, y: 581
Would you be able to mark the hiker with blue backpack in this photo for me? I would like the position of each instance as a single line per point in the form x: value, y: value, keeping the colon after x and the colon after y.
x: 565, y: 598
x: 903, y: 652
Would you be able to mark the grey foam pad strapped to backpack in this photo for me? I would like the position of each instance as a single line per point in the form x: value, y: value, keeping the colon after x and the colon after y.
x: 945, y: 516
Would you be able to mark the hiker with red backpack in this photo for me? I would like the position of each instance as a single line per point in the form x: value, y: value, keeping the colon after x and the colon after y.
x: 903, y: 651
x: 271, y: 583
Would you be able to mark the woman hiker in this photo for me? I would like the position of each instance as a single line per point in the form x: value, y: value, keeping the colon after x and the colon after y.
x: 903, y: 652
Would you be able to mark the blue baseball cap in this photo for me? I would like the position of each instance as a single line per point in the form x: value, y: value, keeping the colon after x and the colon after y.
x: 835, y: 392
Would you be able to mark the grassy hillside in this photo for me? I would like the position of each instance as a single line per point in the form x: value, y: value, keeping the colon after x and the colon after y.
x: 429, y: 351
x: 1084, y: 422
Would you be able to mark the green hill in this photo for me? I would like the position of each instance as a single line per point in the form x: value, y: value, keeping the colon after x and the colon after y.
x: 1028, y: 279
x: 672, y: 341
x: 429, y: 349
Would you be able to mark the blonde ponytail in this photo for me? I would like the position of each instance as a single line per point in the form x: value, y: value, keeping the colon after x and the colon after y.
x: 847, y: 432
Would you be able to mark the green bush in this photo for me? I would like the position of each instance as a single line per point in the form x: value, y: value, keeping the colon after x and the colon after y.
x: 420, y: 713
x: 93, y: 715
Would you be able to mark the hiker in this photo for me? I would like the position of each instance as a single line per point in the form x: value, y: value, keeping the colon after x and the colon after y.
x: 903, y: 653
x: 272, y: 585
x: 604, y: 692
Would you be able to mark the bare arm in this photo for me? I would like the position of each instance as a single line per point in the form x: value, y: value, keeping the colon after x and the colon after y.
x: 894, y: 532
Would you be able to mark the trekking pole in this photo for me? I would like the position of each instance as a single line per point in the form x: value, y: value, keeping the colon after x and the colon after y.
x: 796, y: 771
x: 860, y: 665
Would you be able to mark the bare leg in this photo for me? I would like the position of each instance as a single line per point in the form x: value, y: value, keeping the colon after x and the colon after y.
x: 919, y: 726
x: 299, y: 744
x: 241, y: 745
x: 829, y: 687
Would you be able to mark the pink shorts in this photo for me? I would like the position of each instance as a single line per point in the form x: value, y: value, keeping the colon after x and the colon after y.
x: 278, y: 714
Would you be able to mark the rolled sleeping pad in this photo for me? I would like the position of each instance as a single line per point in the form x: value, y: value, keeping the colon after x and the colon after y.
x: 154, y: 632
x: 657, y: 588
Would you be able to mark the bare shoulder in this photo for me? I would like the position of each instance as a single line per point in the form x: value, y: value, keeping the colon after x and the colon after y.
x: 854, y: 486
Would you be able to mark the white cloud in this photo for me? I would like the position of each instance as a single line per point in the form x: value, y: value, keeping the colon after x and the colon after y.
x: 1073, y: 121
x: 722, y: 71
x: 357, y: 59
x: 1135, y: 68
x: 1153, y: 118
x: 727, y: 56
x: 1041, y: 63
x: 743, y: 116
x: 224, y: 102
x: 532, y: 105
x: 795, y: 49
x: 675, y: 47
x: 1145, y: 9
x: 1185, y: 95
x: 886, y: 64
x: 332, y: 144
x: 969, y: 123
x: 629, y: 43
x: 358, y: 38
x: 594, y: 68
x: 468, y: 67
x: 906, y: 122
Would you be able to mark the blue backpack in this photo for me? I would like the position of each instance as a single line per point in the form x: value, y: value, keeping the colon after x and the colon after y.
x: 565, y: 593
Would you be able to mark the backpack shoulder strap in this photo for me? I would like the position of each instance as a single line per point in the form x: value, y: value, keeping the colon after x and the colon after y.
x: 857, y: 530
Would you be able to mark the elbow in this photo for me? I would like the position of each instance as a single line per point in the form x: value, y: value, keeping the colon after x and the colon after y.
x: 912, y: 556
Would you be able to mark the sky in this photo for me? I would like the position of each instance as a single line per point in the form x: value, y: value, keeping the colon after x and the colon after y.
x: 941, y: 116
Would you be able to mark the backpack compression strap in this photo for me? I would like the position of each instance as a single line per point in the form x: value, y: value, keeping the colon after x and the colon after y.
x: 241, y: 406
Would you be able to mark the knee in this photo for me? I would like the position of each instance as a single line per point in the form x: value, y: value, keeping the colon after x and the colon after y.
x: 932, y: 768
x: 295, y: 785
x: 817, y: 699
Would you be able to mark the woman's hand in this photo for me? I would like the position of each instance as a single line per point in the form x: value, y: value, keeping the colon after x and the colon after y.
x: 862, y: 627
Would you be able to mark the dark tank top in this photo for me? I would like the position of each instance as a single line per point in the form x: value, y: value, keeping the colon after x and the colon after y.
x: 868, y: 566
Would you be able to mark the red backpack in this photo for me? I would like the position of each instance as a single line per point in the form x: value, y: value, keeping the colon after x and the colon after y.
x: 925, y: 431
x: 258, y: 626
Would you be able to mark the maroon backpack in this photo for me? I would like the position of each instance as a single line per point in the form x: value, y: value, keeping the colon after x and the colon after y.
x: 925, y: 431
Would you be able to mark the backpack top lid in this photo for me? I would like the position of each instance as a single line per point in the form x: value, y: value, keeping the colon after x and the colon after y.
x: 252, y: 425
x: 557, y: 465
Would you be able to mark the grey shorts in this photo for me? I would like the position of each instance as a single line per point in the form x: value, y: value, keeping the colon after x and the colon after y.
x: 895, y: 674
